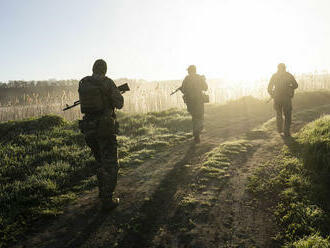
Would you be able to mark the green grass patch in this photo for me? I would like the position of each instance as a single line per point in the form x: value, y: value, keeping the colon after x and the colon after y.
x: 45, y: 162
x: 218, y: 160
x: 214, y: 170
x: 312, y: 241
x: 297, y: 181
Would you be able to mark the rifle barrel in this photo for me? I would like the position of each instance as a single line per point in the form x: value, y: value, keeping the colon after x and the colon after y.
x: 76, y: 103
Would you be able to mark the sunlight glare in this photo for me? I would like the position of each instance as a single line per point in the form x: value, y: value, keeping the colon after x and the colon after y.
x: 247, y: 44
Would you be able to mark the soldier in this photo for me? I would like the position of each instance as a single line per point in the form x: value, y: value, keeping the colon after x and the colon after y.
x: 281, y: 88
x: 99, y: 96
x: 192, y: 88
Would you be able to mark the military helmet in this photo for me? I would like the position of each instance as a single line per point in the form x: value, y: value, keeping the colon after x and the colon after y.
x: 100, y: 67
x: 191, y: 69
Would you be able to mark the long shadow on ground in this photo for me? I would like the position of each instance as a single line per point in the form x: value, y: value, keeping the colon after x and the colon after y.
x: 154, y: 212
x: 72, y: 232
x: 140, y: 223
x: 142, y: 226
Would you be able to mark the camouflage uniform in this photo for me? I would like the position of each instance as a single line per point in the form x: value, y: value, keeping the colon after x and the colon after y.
x: 99, y: 129
x: 192, y: 87
x: 281, y: 88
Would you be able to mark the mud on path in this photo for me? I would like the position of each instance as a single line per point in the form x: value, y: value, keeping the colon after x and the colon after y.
x: 150, y: 214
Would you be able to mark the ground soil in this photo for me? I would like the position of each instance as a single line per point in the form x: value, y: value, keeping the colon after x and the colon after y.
x: 150, y: 214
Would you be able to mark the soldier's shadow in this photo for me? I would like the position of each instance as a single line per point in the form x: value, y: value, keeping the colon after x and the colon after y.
x: 144, y: 225
x: 91, y: 224
x: 154, y: 213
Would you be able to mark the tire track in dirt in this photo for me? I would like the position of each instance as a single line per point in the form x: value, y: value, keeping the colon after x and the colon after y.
x: 240, y: 221
x: 231, y: 218
x: 157, y: 209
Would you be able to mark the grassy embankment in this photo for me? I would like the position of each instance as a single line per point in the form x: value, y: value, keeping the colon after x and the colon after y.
x: 45, y: 163
x: 297, y: 182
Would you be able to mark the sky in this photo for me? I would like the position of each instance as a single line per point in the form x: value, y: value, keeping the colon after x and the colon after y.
x: 157, y: 39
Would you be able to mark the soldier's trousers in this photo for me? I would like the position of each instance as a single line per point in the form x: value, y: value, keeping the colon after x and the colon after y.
x: 105, y: 152
x: 197, y: 113
x: 283, y: 107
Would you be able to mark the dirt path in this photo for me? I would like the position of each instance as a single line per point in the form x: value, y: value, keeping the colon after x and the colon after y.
x: 239, y: 221
x: 227, y: 215
x: 150, y: 214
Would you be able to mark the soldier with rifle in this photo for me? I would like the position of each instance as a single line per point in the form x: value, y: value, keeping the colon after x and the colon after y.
x: 281, y: 88
x: 192, y: 88
x: 98, y: 98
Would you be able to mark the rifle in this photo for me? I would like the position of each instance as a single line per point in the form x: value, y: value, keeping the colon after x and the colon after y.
x: 180, y: 88
x: 122, y: 88
x: 76, y: 103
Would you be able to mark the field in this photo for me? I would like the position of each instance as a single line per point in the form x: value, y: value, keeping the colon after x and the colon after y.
x: 22, y: 99
x: 243, y: 186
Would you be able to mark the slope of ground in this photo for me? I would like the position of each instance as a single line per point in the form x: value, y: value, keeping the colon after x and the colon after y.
x: 184, y: 195
x: 297, y: 181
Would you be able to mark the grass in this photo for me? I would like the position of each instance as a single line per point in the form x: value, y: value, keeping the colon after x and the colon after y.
x: 312, y: 241
x: 214, y: 172
x: 45, y: 162
x: 297, y: 181
x: 218, y: 160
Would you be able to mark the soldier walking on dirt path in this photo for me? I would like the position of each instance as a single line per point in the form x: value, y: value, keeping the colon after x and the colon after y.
x: 99, y: 96
x: 281, y: 88
x: 192, y: 88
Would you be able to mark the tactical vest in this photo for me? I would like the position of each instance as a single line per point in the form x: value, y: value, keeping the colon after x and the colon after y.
x: 283, y: 89
x: 193, y: 89
x: 91, y: 96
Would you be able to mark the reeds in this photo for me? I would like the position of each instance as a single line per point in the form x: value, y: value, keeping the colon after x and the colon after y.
x: 29, y: 101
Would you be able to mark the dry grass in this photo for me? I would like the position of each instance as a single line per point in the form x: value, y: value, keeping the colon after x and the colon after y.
x: 25, y: 102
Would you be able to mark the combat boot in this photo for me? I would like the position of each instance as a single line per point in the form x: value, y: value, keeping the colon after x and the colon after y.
x: 110, y: 204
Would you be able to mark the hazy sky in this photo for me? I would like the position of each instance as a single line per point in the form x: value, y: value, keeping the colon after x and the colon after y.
x: 157, y: 39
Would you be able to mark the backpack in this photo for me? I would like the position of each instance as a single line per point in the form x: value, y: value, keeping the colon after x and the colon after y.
x: 283, y: 88
x: 194, y: 90
x: 91, y: 95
